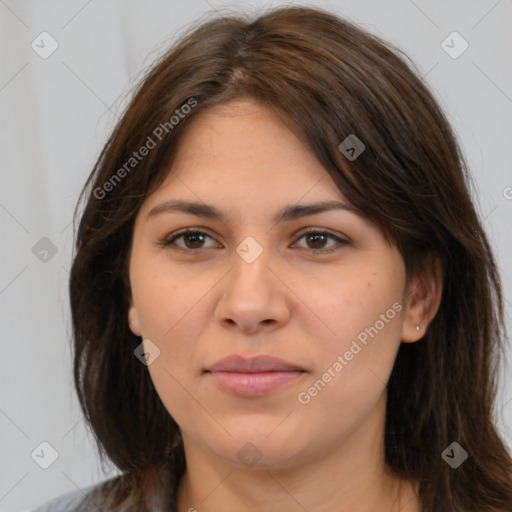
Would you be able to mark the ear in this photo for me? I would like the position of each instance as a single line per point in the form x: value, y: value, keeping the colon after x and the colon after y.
x: 422, y: 299
x: 133, y: 319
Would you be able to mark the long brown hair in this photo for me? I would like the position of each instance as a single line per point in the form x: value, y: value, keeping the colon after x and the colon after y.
x: 327, y: 79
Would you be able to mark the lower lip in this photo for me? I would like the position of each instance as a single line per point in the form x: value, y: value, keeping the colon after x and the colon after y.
x: 254, y: 384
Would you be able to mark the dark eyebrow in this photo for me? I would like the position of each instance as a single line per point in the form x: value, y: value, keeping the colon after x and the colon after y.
x: 286, y: 214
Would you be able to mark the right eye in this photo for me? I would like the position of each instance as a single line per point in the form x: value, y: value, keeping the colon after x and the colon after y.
x: 196, y: 239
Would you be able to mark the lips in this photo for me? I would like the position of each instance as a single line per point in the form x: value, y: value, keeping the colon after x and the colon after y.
x: 253, y: 377
x: 255, y: 364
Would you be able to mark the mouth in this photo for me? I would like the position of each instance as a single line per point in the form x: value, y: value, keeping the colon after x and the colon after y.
x: 253, y: 377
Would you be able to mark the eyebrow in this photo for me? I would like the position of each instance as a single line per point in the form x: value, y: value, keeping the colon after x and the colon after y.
x: 288, y: 213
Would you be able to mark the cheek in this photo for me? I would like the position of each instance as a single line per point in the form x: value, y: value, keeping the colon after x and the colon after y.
x: 361, y: 318
x: 351, y: 304
x: 174, y: 322
x: 164, y: 299
x: 173, y: 310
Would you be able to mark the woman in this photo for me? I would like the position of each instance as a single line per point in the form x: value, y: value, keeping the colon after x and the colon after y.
x: 282, y: 296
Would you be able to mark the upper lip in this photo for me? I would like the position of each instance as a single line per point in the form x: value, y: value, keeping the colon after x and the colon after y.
x: 261, y: 363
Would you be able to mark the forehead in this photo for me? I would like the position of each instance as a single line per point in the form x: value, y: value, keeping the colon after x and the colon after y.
x: 246, y: 146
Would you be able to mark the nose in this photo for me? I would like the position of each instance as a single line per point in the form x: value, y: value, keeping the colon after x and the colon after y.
x: 254, y: 296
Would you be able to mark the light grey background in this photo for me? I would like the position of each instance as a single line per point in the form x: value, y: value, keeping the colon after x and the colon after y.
x: 55, y: 115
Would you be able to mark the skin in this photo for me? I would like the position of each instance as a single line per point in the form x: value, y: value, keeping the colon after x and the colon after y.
x: 204, y: 302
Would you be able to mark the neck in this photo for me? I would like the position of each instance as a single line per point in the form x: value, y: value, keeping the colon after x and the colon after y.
x: 274, y: 491
x: 352, y: 477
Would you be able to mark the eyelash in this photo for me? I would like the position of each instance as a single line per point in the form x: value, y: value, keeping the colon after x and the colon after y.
x: 168, y: 241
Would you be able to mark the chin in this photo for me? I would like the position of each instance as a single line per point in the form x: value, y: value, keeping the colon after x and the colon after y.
x: 262, y: 450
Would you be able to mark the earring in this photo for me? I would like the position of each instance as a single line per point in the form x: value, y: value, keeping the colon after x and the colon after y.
x: 418, y: 328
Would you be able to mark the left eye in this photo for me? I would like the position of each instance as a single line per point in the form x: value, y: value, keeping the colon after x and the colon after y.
x: 319, y: 237
x: 196, y: 239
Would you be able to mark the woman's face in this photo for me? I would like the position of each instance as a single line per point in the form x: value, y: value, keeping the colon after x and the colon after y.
x: 331, y: 304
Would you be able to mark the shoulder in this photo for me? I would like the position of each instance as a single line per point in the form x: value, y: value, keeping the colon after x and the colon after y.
x: 70, y: 501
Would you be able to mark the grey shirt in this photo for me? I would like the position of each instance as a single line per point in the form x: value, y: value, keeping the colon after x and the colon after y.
x: 68, y: 502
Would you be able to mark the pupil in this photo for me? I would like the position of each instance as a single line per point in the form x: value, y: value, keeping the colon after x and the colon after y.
x: 317, y: 236
x: 188, y: 237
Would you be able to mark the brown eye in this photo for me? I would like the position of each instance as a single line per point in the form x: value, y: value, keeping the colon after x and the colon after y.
x: 193, y: 240
x: 316, y: 241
